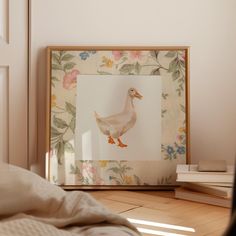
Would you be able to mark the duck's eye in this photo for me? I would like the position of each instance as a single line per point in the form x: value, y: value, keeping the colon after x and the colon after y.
x: 131, y: 90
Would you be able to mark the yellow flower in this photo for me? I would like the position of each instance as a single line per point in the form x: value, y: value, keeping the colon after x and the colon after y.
x: 128, y: 179
x: 53, y: 100
x: 182, y: 129
x: 107, y: 62
x: 103, y: 163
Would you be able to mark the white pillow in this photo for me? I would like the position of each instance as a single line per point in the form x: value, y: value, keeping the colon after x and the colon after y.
x: 23, y: 191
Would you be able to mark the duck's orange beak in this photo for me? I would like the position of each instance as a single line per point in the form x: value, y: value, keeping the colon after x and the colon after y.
x: 138, y: 95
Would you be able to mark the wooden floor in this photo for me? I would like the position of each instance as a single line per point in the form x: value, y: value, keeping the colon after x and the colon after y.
x: 160, y: 213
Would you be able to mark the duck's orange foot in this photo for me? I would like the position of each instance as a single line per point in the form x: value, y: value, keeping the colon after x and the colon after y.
x: 111, y: 140
x: 120, y: 144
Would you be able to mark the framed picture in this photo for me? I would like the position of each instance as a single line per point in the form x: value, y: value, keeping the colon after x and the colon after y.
x: 118, y: 117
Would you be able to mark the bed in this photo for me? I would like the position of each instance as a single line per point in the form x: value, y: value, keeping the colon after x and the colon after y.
x: 29, y: 205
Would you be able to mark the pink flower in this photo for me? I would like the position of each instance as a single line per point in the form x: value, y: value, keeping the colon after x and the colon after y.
x: 117, y: 55
x: 69, y: 80
x: 135, y: 54
x: 92, y: 170
x: 179, y: 137
x: 85, y: 166
x: 183, y: 56
x: 51, y: 152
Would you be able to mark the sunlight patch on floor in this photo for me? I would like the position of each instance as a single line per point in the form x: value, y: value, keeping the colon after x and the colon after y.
x: 159, y: 225
x: 162, y: 225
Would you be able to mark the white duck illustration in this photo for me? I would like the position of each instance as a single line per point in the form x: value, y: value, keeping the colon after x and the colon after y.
x: 115, y: 126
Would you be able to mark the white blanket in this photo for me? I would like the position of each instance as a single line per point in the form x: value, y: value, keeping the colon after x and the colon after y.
x: 29, y: 205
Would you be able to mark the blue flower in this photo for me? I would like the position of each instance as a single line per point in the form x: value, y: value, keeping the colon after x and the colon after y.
x: 84, y: 55
x: 170, y: 150
x: 180, y: 150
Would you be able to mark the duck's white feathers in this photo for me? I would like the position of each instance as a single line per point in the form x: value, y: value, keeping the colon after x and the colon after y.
x: 116, y: 125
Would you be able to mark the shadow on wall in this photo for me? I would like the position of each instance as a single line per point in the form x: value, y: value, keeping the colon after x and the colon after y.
x: 37, y: 162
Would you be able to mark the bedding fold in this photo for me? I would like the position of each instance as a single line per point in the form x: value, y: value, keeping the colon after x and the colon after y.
x: 31, y: 205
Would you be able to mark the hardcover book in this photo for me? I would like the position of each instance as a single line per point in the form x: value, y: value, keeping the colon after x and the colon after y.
x: 219, y: 191
x: 182, y: 193
x: 190, y: 173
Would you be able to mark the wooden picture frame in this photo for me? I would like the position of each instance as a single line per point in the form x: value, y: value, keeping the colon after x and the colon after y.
x: 67, y: 166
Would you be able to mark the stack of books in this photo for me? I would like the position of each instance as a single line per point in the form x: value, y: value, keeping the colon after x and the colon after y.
x: 212, y: 187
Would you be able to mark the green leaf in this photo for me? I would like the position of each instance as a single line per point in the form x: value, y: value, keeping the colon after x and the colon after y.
x: 178, y: 91
x: 182, y: 108
x: 54, y: 132
x: 182, y: 63
x: 62, y: 53
x: 137, y: 68
x: 76, y: 171
x: 54, y: 179
x: 154, y: 54
x: 69, y: 65
x: 70, y: 109
x: 73, y: 169
x: 115, y: 170
x: 56, y: 58
x: 115, y: 179
x: 137, y: 179
x: 124, y: 59
x: 125, y: 168
x: 53, y: 78
x: 59, y: 123
x: 165, y: 95
x: 112, y: 177
x: 67, y: 57
x: 176, y: 74
x: 69, y: 148
x: 126, y: 69
x: 171, y: 54
x: 173, y: 66
x: 86, y: 181
x: 156, y: 71
x: 60, y: 151
x: 72, y: 125
x: 118, y: 182
x: 104, y: 73
x: 56, y: 67
x: 163, y: 111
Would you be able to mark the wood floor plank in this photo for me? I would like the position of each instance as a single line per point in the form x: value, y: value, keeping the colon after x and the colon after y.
x: 164, y: 222
x: 161, y: 207
x: 218, y: 232
x: 211, y: 227
x: 99, y: 194
x: 117, y: 207
x: 143, y: 213
x: 145, y: 200
x: 166, y: 194
x: 200, y: 211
